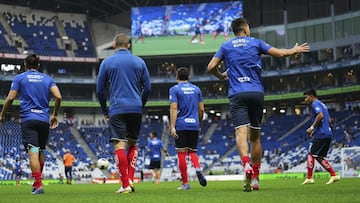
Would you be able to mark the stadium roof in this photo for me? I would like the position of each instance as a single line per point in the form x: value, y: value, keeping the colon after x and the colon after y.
x: 98, y: 9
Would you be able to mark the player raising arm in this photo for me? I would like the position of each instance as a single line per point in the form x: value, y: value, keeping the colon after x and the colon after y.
x: 242, y: 57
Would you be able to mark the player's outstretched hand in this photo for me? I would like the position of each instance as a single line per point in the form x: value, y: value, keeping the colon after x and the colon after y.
x: 304, y: 47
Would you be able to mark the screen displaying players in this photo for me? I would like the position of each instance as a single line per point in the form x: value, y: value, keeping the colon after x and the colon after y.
x: 183, y: 28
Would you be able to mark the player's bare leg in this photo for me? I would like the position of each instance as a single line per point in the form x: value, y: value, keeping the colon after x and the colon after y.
x: 35, y: 169
x: 202, y: 39
x: 310, y: 167
x: 241, y: 133
x: 256, y: 153
x: 327, y: 166
x: 122, y: 164
x: 157, y: 176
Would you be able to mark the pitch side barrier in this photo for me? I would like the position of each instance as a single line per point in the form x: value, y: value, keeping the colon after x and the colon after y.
x: 279, y: 176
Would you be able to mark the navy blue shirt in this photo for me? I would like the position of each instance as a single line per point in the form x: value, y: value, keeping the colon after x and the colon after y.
x: 128, y: 80
x: 34, y: 94
x: 242, y: 57
x: 187, y: 96
x: 323, y: 130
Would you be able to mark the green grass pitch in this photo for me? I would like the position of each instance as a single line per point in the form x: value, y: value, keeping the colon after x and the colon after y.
x: 279, y: 191
x: 169, y: 45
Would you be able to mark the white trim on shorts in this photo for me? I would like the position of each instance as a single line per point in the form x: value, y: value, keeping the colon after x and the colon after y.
x: 248, y: 124
x: 117, y: 139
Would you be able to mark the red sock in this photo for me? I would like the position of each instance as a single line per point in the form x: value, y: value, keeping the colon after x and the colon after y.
x: 310, y: 166
x: 42, y: 166
x: 37, y: 176
x: 256, y: 168
x: 122, y: 164
x: 194, y: 159
x: 245, y: 160
x: 183, y: 166
x: 132, y: 157
x: 328, y: 167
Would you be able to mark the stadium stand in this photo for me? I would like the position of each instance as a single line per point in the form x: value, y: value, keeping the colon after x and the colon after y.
x: 46, y: 34
x: 284, y: 139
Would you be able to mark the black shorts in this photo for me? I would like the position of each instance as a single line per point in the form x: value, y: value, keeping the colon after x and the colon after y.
x: 188, y: 139
x: 154, y: 165
x: 68, y: 170
x: 247, y: 109
x: 124, y: 127
x: 319, y: 147
x: 34, y: 133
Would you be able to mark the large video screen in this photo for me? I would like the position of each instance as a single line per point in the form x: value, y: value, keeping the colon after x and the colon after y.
x: 183, y: 28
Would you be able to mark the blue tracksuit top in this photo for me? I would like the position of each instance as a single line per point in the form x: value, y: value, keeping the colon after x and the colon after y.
x: 126, y: 78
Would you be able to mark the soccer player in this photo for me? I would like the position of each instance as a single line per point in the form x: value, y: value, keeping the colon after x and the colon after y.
x: 186, y: 114
x: 34, y: 89
x: 127, y: 79
x: 68, y: 159
x: 154, y: 147
x: 221, y: 29
x: 242, y: 57
x: 321, y: 134
x: 198, y: 31
x: 139, y: 33
x: 18, y: 172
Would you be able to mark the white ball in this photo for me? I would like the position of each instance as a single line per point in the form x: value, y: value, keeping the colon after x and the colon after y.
x: 102, y: 163
x: 195, y: 41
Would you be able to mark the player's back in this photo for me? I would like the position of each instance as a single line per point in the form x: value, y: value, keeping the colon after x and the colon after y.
x: 127, y: 75
x: 68, y: 159
x: 34, y: 94
x: 155, y: 146
x: 188, y: 97
x: 242, y: 56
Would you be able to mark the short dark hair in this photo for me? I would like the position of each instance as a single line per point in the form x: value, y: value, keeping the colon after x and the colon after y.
x: 239, y: 25
x: 32, y: 61
x: 310, y: 92
x: 154, y: 133
x: 182, y: 73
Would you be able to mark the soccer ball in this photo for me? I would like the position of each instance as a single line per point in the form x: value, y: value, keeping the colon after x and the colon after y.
x: 102, y: 163
x: 195, y: 41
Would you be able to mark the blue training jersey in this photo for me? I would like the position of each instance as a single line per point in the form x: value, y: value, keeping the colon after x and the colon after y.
x: 155, y: 146
x: 242, y: 58
x: 34, y: 95
x: 323, y: 130
x: 187, y: 96
x: 128, y: 80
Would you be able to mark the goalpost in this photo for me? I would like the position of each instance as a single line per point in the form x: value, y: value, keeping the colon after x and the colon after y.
x: 350, y: 162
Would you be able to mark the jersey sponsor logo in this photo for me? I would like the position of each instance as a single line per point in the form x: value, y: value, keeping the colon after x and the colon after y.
x: 188, y: 90
x: 35, y: 78
x: 239, y: 42
x: 244, y: 79
x: 189, y: 120
x: 36, y: 110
